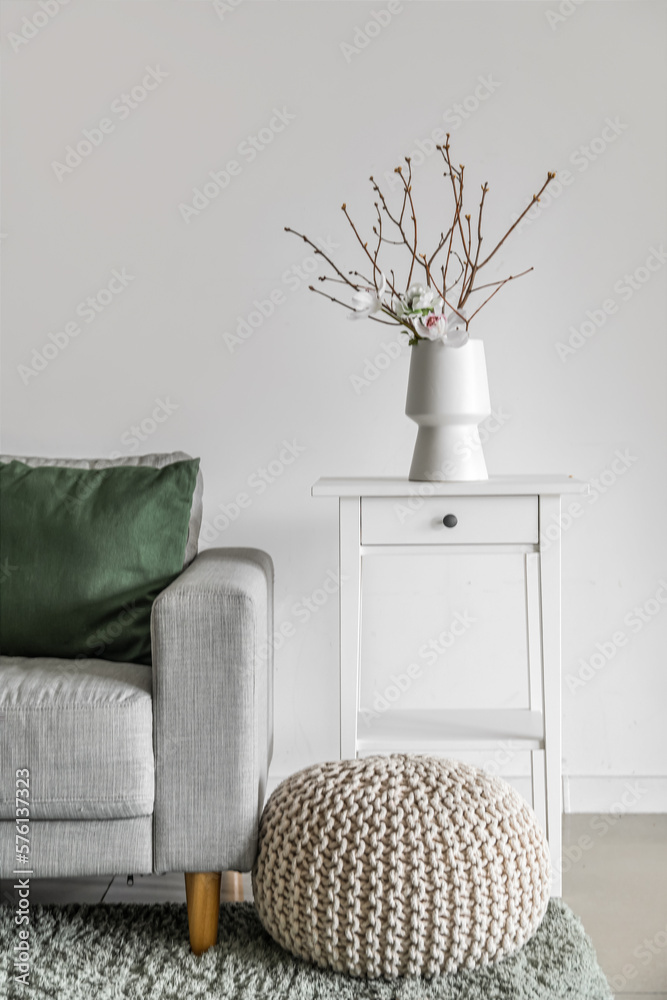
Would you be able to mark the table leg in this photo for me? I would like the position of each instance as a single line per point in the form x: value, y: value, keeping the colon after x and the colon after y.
x: 550, y: 586
x: 349, y: 622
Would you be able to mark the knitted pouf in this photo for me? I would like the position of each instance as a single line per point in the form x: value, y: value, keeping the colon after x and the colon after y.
x: 399, y: 865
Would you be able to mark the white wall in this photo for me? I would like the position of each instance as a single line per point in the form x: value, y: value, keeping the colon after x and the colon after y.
x: 552, y: 82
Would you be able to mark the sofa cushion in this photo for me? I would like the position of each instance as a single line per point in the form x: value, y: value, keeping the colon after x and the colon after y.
x: 155, y: 461
x: 84, y: 731
x: 84, y: 554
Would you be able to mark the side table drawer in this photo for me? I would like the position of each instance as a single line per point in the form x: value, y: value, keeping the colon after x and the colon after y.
x: 421, y: 520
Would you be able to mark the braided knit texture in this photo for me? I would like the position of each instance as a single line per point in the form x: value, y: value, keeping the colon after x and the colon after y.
x: 399, y: 865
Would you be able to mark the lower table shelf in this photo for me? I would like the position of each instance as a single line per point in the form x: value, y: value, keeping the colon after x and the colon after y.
x: 415, y: 730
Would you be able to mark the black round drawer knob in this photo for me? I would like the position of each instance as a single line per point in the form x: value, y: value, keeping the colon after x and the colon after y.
x: 450, y: 520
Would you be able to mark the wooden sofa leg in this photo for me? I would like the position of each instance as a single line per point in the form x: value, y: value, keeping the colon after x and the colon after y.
x: 202, y: 890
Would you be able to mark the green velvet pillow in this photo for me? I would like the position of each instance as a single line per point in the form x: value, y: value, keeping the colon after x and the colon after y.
x: 85, y: 552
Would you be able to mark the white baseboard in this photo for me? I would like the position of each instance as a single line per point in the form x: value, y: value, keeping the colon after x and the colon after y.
x: 615, y: 793
x: 589, y: 793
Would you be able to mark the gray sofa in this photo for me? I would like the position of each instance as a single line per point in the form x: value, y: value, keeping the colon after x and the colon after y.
x: 138, y: 769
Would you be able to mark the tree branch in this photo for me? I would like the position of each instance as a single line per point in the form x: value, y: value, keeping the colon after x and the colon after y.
x: 534, y: 199
x: 504, y: 282
x: 363, y: 245
x: 459, y: 236
x: 501, y: 281
x: 322, y: 254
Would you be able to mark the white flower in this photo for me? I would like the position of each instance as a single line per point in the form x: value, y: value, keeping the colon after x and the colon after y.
x: 427, y: 301
x: 434, y: 326
x: 367, y: 301
x: 431, y: 327
x: 413, y: 292
x: 457, y: 332
x: 419, y: 300
x: 456, y: 338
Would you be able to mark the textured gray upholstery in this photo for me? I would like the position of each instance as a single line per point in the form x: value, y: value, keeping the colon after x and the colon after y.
x: 157, y: 461
x: 212, y: 668
x: 84, y: 728
x: 133, y: 771
x: 71, y: 848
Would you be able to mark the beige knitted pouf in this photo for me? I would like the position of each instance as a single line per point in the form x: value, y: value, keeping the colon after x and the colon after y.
x: 400, y: 865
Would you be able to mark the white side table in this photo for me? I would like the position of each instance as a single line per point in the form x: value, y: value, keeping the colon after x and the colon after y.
x: 518, y: 514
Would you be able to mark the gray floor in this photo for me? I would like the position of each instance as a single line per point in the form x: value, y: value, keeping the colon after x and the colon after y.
x: 614, y: 874
x: 615, y: 879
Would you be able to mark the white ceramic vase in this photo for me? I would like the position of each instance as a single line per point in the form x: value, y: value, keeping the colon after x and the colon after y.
x: 448, y: 396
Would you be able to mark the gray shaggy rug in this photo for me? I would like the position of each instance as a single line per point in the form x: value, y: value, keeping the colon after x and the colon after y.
x: 109, y: 952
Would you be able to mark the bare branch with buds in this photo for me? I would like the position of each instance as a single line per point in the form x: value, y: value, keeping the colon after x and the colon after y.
x: 420, y: 309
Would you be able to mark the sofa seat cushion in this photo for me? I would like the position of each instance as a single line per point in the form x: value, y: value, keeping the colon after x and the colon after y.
x: 84, y: 730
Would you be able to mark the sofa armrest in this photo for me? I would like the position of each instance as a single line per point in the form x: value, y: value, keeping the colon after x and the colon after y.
x: 212, y: 710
